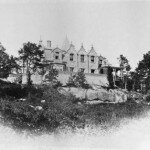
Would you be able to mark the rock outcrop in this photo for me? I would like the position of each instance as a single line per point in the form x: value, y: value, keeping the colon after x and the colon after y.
x: 101, y: 95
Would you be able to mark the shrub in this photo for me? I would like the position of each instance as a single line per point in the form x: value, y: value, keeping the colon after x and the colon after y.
x: 57, y: 84
x: 52, y: 75
x: 18, y: 79
x: 78, y: 80
x: 19, y: 91
x: 71, y: 82
x: 147, y: 98
x: 12, y: 90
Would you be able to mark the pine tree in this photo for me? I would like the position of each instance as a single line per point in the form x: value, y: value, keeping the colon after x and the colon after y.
x: 5, y: 68
x: 31, y: 56
x: 143, y: 71
x: 78, y: 80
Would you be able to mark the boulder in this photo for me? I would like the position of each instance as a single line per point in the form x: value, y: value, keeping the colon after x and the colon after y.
x: 91, y: 94
x: 78, y: 92
x: 120, y: 96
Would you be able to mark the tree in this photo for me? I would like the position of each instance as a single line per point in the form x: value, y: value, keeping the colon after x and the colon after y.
x: 31, y: 56
x: 52, y: 75
x: 5, y: 67
x: 124, y: 63
x: 110, y: 77
x: 143, y: 72
x: 71, y: 82
x: 13, y: 63
x: 78, y: 80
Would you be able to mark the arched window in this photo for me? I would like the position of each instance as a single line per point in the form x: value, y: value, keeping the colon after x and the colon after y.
x: 71, y: 57
x: 82, y: 58
x: 57, y: 55
x: 92, y: 59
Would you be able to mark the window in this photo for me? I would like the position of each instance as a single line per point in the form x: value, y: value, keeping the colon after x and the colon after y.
x: 63, y: 56
x: 92, y: 58
x: 71, y: 69
x: 82, y: 69
x: 57, y: 55
x: 92, y: 70
x: 100, y: 61
x: 71, y: 57
x: 101, y: 71
x: 100, y: 65
x: 82, y: 58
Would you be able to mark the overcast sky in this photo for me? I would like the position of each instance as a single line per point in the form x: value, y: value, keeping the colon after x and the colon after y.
x: 113, y: 27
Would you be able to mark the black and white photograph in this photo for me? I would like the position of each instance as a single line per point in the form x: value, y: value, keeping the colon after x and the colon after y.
x: 74, y: 74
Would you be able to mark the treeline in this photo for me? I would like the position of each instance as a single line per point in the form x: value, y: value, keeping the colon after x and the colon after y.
x: 137, y: 80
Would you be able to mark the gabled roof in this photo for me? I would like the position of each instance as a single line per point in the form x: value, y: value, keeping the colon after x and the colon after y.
x: 101, y: 57
x: 82, y: 50
x: 72, y: 48
x: 57, y: 48
x: 92, y: 52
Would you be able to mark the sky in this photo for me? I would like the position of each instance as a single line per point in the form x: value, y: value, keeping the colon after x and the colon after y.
x: 113, y: 27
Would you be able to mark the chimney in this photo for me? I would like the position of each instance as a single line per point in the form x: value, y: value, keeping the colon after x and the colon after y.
x: 49, y: 44
x: 40, y: 42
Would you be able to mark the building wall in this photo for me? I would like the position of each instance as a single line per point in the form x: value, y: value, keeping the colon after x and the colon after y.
x: 84, y: 64
x: 93, y: 65
x: 47, y: 54
x: 87, y: 65
x: 64, y: 76
x: 70, y: 63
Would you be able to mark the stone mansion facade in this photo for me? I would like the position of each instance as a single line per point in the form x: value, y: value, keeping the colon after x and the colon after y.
x: 69, y: 59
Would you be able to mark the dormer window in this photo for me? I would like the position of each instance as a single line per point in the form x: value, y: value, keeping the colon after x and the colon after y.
x: 71, y: 57
x: 92, y: 59
x: 82, y: 58
x: 100, y: 61
x: 57, y: 55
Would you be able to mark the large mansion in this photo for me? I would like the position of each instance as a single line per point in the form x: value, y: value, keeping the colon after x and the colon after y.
x: 68, y: 58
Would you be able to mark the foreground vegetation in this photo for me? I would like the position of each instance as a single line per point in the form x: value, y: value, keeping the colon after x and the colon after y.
x: 43, y: 109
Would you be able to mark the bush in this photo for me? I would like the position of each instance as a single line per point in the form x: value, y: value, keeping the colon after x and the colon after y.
x: 18, y: 91
x: 57, y: 84
x: 12, y: 90
x: 78, y: 80
x: 52, y: 75
x: 147, y: 99
x: 71, y: 81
